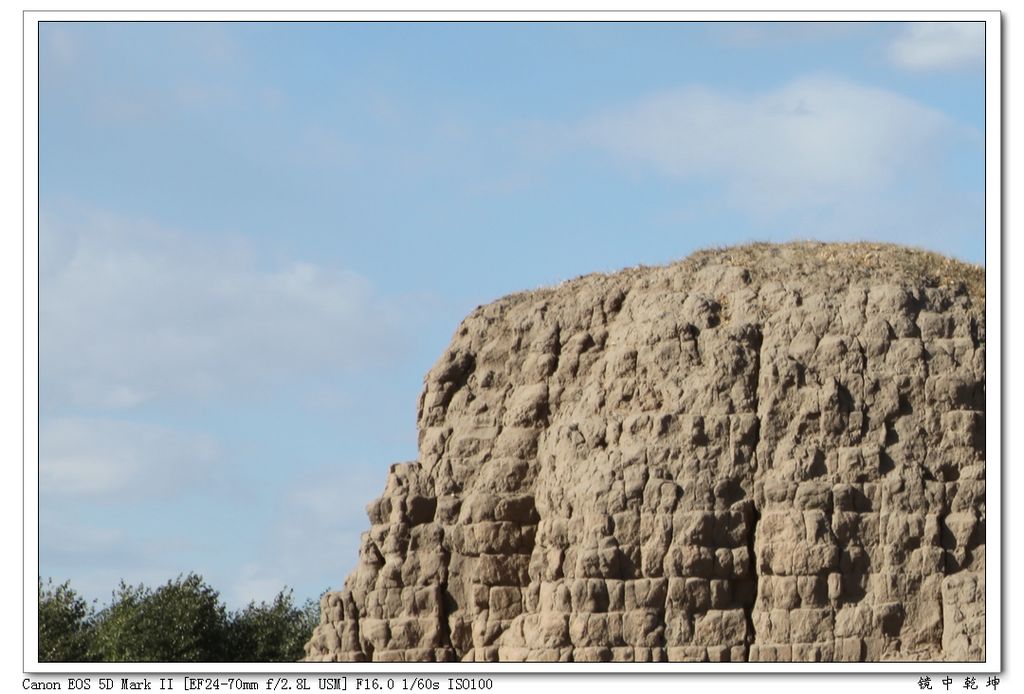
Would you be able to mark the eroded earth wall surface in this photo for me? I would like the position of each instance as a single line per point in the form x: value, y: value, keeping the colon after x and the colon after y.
x: 766, y: 453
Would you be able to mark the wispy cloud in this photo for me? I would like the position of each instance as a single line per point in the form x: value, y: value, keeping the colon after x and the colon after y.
x: 812, y: 140
x: 132, y: 312
x: 319, y: 521
x: 939, y: 46
x: 83, y: 67
x: 96, y: 555
x: 93, y: 457
x: 820, y: 156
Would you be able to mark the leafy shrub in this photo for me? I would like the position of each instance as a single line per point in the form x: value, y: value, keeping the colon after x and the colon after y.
x: 181, y: 621
x: 274, y: 632
x: 64, y: 624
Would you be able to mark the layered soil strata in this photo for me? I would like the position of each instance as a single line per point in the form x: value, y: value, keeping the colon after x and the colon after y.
x: 763, y: 453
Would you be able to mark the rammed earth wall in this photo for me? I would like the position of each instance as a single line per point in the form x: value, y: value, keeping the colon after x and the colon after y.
x: 765, y: 453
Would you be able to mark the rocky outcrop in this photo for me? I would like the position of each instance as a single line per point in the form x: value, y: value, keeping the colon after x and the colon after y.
x: 765, y: 453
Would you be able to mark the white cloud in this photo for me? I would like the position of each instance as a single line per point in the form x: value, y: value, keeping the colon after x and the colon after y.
x: 811, y: 143
x: 819, y: 157
x: 65, y: 537
x: 77, y: 60
x: 939, y: 46
x: 333, y: 501
x: 318, y: 522
x: 94, y: 457
x: 131, y: 312
x: 76, y: 543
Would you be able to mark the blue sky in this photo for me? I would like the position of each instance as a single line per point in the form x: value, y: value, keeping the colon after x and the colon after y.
x: 256, y: 238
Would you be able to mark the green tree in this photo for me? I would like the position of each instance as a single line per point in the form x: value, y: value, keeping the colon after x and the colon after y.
x: 65, y: 623
x: 181, y: 621
x: 274, y: 632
